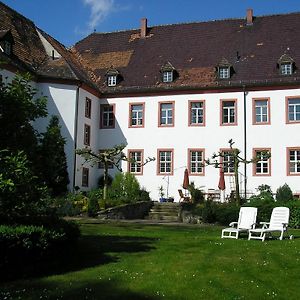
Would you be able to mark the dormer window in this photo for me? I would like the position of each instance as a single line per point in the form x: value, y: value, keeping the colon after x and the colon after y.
x: 6, y: 41
x: 286, y: 65
x: 7, y: 47
x: 286, y: 69
x: 224, y: 72
x: 112, y: 77
x: 168, y: 76
x: 112, y: 80
x: 224, y: 69
x: 167, y: 71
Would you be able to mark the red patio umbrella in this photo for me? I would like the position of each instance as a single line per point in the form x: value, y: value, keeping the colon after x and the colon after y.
x: 186, y: 181
x: 221, y: 184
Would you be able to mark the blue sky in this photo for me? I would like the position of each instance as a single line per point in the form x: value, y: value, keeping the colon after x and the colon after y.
x: 71, y: 20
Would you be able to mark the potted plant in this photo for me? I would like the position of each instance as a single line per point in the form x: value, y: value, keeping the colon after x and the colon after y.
x: 161, y: 194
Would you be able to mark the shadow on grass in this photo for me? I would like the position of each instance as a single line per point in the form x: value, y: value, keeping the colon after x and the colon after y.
x: 92, y: 290
x: 90, y: 251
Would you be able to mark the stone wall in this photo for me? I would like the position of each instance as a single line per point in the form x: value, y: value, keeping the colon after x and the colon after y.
x: 127, y: 211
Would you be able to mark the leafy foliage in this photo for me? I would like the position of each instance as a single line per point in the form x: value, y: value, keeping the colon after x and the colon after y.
x: 19, y: 106
x: 20, y: 190
x: 53, y: 166
x: 284, y: 193
x: 196, y: 194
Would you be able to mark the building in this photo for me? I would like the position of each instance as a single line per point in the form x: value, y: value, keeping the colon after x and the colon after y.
x: 176, y: 92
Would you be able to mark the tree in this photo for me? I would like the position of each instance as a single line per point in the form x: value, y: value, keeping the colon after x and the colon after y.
x: 19, y: 107
x: 20, y: 190
x: 113, y: 156
x: 53, y: 162
x: 236, y: 161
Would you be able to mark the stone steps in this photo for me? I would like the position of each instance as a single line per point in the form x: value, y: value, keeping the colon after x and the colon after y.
x: 167, y: 212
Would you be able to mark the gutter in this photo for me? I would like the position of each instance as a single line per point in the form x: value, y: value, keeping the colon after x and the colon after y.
x: 245, y: 140
x: 75, y: 135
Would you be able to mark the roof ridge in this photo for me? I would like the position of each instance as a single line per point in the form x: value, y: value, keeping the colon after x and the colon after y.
x: 16, y: 12
x: 185, y: 23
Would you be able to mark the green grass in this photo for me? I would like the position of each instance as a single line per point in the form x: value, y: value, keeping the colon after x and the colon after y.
x: 132, y: 261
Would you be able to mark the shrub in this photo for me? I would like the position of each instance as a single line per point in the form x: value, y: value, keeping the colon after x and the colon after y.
x: 209, y: 212
x: 20, y: 190
x: 227, y: 213
x: 125, y: 189
x: 93, y: 202
x: 284, y: 193
x: 196, y: 194
x: 265, y: 204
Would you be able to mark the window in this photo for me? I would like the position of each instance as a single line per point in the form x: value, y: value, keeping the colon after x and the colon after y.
x: 88, y: 107
x: 261, y: 111
x: 196, y: 109
x: 101, y: 165
x: 165, y: 162
x: 262, y: 166
x: 7, y: 47
x: 228, y: 112
x: 293, y: 160
x: 293, y: 110
x: 224, y: 72
x: 196, y: 161
x: 107, y: 118
x: 166, y: 114
x: 135, y: 165
x: 228, y: 161
x: 112, y: 80
x: 136, y: 115
x: 167, y: 76
x: 85, y: 177
x: 87, y: 135
x: 286, y: 69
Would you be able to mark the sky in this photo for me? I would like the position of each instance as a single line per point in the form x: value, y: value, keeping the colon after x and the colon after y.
x: 69, y: 21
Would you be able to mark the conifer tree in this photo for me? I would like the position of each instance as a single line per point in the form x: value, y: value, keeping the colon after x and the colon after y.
x: 53, y: 162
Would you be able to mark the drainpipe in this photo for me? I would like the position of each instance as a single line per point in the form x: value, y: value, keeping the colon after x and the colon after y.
x: 75, y: 134
x: 245, y: 140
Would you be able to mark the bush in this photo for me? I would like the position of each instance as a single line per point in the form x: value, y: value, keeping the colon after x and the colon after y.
x: 20, y: 190
x: 227, y: 213
x: 265, y: 204
x: 126, y: 189
x: 93, y: 202
x: 196, y: 194
x: 284, y: 193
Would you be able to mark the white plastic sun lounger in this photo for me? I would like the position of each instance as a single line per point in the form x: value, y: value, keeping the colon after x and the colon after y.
x: 278, y: 223
x: 246, y: 221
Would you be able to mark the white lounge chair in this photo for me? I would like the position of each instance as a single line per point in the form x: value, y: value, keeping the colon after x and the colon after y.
x: 246, y: 221
x: 278, y: 223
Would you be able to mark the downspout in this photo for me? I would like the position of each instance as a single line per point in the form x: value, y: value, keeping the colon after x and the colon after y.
x: 75, y: 134
x: 245, y: 141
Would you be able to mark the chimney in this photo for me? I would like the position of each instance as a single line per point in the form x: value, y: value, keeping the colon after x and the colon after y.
x: 143, y: 27
x: 249, y: 16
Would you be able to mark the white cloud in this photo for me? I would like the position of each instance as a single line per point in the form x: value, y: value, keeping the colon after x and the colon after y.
x: 99, y: 10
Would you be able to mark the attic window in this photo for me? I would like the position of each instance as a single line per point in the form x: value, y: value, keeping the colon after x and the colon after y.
x: 112, y: 76
x: 286, y: 65
x: 7, y: 47
x: 224, y: 69
x: 112, y: 80
x: 286, y: 69
x: 224, y: 72
x: 167, y: 76
x: 167, y: 71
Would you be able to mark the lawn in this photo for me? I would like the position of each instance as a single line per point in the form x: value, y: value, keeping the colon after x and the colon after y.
x: 135, y: 261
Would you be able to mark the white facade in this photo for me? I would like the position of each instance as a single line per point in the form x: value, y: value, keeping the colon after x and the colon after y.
x: 69, y: 103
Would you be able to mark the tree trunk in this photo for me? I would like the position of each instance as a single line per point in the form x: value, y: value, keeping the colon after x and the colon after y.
x: 236, y: 180
x: 105, y: 175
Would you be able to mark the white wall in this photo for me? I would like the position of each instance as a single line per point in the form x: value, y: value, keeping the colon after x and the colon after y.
x: 61, y: 101
x: 211, y: 137
x: 94, y: 172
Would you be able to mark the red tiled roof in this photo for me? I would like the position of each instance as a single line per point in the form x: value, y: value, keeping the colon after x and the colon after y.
x: 195, y: 50
x: 30, y: 54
